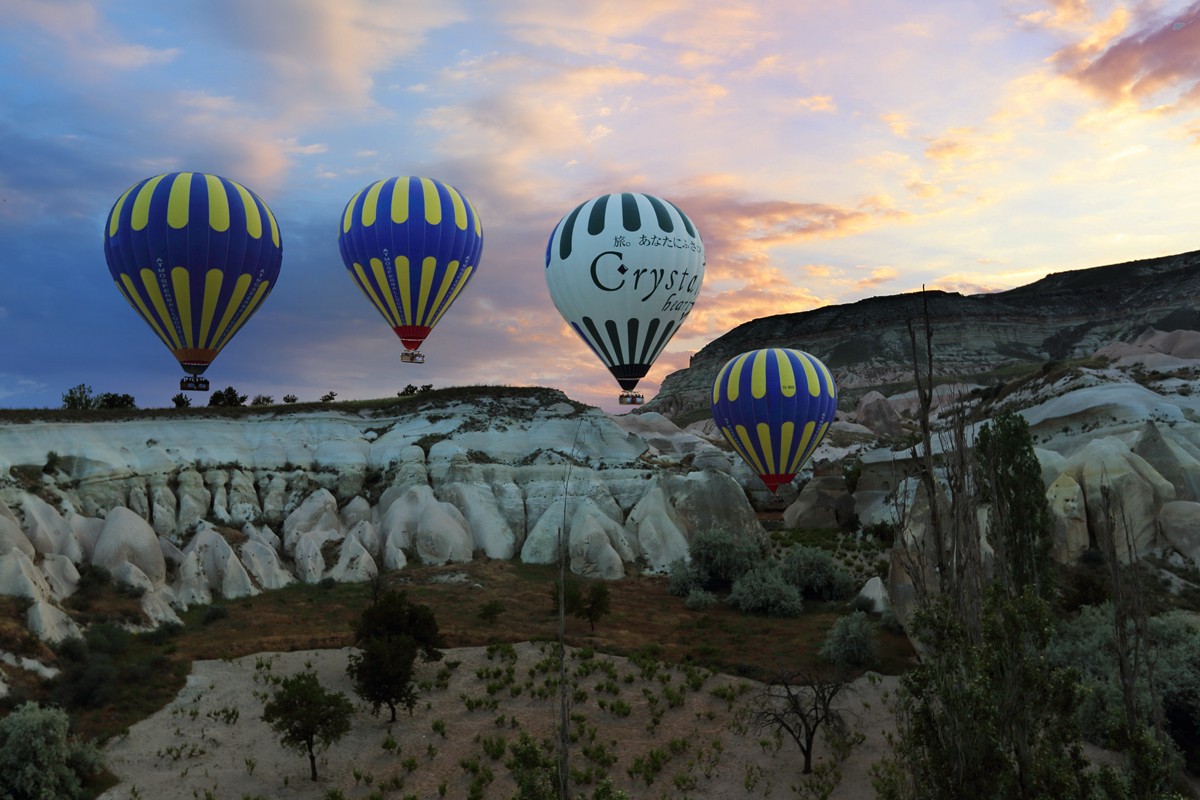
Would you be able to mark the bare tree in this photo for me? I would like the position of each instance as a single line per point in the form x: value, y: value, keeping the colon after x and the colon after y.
x: 798, y: 705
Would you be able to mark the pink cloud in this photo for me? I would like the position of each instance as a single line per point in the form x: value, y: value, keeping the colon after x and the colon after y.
x: 1153, y: 64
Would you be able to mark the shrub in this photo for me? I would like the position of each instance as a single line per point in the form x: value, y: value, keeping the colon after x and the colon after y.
x: 762, y: 590
x: 262, y: 400
x: 36, y: 758
x: 816, y: 574
x: 328, y: 397
x: 214, y: 613
x: 700, y: 599
x: 181, y: 400
x: 722, y: 558
x: 851, y: 642
x: 683, y: 578
x: 290, y: 398
x: 491, y: 611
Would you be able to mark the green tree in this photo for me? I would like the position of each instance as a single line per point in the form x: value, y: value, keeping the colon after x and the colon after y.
x: 306, y: 717
x: 391, y: 613
x: 227, y: 398
x: 37, y: 759
x: 181, y: 400
x: 114, y: 400
x: 262, y: 400
x: 79, y: 398
x: 596, y: 605
x: 1009, y: 479
x: 382, y: 672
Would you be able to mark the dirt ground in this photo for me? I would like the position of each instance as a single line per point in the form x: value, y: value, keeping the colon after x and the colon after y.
x: 679, y: 741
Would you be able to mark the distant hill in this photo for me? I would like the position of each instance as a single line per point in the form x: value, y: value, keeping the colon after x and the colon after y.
x: 1062, y: 316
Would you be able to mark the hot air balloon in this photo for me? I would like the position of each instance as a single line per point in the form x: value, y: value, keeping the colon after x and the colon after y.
x: 774, y: 406
x: 624, y: 271
x: 195, y: 255
x: 411, y: 245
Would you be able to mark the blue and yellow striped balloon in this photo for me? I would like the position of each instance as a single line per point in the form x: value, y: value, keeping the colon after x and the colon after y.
x: 411, y: 244
x: 774, y: 406
x: 195, y: 255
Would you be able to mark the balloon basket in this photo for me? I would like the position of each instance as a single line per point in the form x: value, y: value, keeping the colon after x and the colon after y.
x: 193, y: 383
x: 631, y: 398
x: 412, y: 357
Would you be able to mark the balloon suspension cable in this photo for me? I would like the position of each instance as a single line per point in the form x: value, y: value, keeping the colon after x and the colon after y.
x: 563, y: 773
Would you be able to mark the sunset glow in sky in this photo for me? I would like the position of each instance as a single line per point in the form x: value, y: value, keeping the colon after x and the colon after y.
x: 827, y: 151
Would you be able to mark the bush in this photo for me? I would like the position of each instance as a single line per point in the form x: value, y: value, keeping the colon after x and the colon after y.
x: 262, y: 400
x: 699, y: 600
x: 762, y: 590
x: 722, y: 559
x: 37, y: 760
x: 181, y: 400
x: 328, y: 397
x: 816, y: 574
x: 683, y: 578
x: 851, y: 642
x: 214, y: 613
x: 290, y: 398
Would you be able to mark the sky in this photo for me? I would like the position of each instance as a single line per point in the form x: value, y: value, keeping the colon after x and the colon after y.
x: 826, y: 151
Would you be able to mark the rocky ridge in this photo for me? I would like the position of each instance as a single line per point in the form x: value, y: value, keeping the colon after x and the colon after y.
x: 1065, y: 315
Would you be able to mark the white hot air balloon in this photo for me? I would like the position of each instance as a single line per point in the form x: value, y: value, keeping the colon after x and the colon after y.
x: 624, y: 270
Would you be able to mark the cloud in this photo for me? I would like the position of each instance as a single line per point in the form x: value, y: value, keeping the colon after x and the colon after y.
x: 80, y: 35
x: 1151, y: 62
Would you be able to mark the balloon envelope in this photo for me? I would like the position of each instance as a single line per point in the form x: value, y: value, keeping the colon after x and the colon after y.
x: 195, y: 255
x: 411, y: 245
x: 624, y: 271
x: 774, y: 406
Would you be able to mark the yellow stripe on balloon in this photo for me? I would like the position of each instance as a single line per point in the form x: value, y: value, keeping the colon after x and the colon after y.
x: 475, y: 214
x: 764, y: 441
x: 786, y: 431
x: 787, y: 375
x: 251, y: 307
x: 734, y: 443
x: 370, y: 205
x: 447, y: 282
x: 218, y: 204
x: 717, y: 384
x: 364, y: 283
x: 385, y: 288
x: 803, y: 447
x: 758, y: 376
x: 212, y: 293
x: 179, y: 201
x: 830, y: 387
x: 254, y: 223
x: 462, y: 281
x: 141, y: 203
x: 274, y: 225
x: 748, y: 451
x: 735, y: 378
x: 814, y: 379
x: 135, y: 300
x: 423, y: 297
x: 114, y: 223
x: 460, y: 210
x: 348, y: 215
x: 239, y: 291
x: 150, y: 281
x: 400, y: 201
x: 433, y: 204
x: 183, y: 299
